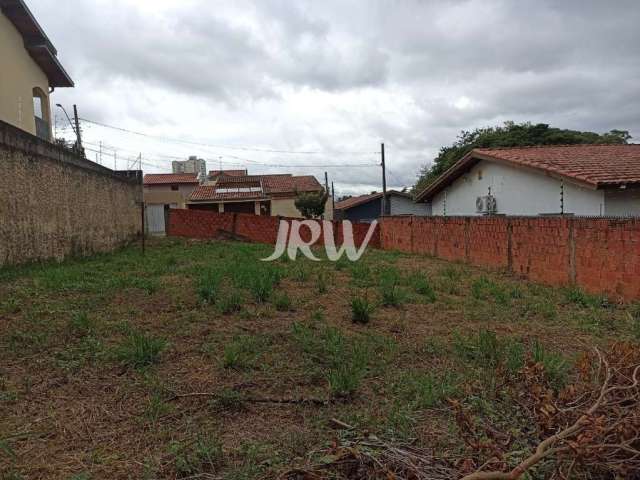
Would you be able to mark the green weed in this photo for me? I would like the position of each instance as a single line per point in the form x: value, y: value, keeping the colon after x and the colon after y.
x: 555, y: 366
x: 230, y: 302
x: 140, y: 350
x: 426, y: 390
x: 361, y: 310
x: 422, y: 287
x: 204, y: 455
x: 242, y: 352
x: 282, y: 302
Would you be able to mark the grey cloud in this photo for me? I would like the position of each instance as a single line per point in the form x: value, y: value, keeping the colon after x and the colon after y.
x: 571, y: 63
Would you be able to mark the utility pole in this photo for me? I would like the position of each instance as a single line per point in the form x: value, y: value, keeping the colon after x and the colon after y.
x: 100, y: 153
x: 75, y: 116
x: 115, y: 160
x: 326, y: 182
x: 333, y: 197
x: 384, y: 183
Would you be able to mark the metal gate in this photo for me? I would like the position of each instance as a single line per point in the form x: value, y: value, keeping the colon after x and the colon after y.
x: 155, y: 219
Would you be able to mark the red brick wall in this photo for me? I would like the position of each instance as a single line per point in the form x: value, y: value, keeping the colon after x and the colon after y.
x: 262, y: 229
x: 601, y: 255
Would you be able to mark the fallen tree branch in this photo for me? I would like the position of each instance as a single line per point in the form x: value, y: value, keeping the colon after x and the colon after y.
x: 302, y: 400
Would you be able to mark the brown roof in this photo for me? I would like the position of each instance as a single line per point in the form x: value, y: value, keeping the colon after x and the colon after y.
x: 594, y: 166
x: 279, y: 184
x: 360, y: 199
x: 210, y: 193
x: 227, y: 173
x: 170, y: 178
x: 246, y: 187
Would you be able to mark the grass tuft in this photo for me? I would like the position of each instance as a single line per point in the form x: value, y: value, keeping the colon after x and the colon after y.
x: 361, y: 310
x: 140, y: 350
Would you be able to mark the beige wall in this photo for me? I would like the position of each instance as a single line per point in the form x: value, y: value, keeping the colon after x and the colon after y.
x: 55, y: 204
x: 19, y: 75
x: 286, y: 207
x: 163, y: 194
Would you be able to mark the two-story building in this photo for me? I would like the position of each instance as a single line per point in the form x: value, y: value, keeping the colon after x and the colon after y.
x: 29, y: 70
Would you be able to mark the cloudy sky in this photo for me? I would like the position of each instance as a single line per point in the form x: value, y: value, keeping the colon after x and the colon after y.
x: 337, y: 77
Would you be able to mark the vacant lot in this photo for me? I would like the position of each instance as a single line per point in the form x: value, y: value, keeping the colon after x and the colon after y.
x: 99, y: 359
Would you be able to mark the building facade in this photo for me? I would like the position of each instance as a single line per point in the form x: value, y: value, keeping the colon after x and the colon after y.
x: 367, y: 208
x: 29, y: 70
x: 582, y: 180
x: 273, y: 195
x: 192, y: 165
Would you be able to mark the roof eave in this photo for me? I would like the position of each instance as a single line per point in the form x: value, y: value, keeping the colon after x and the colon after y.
x: 36, y: 42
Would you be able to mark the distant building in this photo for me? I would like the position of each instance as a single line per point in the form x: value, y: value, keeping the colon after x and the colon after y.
x: 192, y: 165
x: 590, y: 180
x: 29, y: 70
x: 235, y: 191
x: 367, y: 208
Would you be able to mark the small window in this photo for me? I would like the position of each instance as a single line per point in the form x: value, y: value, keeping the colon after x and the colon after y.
x: 174, y: 188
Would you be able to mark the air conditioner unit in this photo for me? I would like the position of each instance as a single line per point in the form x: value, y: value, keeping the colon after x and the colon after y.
x: 486, y: 204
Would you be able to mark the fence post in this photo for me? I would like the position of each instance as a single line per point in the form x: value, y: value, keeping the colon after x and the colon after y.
x: 572, y: 252
x: 509, y: 245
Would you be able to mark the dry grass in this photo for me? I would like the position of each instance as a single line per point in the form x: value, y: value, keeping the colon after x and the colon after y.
x: 97, y: 357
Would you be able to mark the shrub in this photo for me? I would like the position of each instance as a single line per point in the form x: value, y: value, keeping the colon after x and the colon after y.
x: 361, y: 310
x: 140, y: 350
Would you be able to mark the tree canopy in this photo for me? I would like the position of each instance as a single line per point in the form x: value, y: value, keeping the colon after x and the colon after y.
x: 510, y: 135
x: 311, y: 205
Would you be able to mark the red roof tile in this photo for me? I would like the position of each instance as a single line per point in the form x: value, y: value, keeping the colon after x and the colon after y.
x: 595, y: 166
x: 235, y: 188
x: 359, y: 200
x: 169, y: 178
x: 279, y: 184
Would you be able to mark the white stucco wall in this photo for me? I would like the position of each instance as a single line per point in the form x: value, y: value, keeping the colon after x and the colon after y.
x: 518, y: 191
x: 622, y: 203
x: 406, y: 206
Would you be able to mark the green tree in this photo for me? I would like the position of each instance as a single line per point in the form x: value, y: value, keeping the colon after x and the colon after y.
x: 311, y: 204
x: 510, y: 135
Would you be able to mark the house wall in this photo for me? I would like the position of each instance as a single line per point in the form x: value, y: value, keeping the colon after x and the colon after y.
x: 55, y: 204
x: 365, y: 212
x: 518, y: 191
x: 622, y: 203
x: 19, y: 75
x: 286, y: 207
x: 406, y: 206
x: 162, y: 194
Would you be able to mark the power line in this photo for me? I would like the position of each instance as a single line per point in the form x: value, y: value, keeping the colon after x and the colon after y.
x: 230, y: 147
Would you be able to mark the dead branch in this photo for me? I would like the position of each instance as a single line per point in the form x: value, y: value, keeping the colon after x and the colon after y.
x: 605, y: 436
x: 314, y: 401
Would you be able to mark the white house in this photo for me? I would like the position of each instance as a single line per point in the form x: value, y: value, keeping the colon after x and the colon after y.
x: 599, y: 180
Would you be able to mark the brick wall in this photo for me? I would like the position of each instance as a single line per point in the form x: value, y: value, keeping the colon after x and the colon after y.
x: 54, y: 204
x: 261, y: 229
x: 601, y: 255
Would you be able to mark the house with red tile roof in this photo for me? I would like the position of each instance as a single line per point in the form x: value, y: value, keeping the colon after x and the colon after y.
x: 257, y: 194
x: 366, y: 208
x: 169, y: 189
x: 590, y: 180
